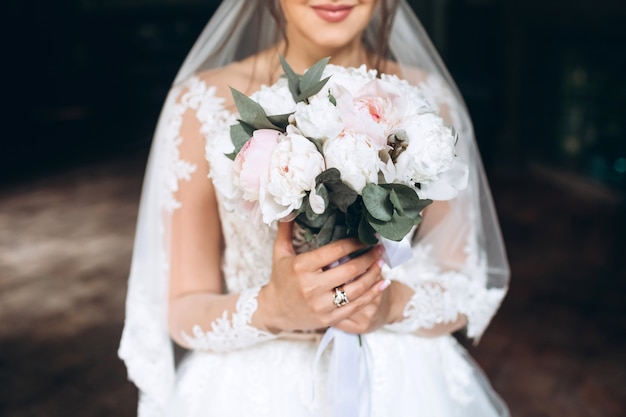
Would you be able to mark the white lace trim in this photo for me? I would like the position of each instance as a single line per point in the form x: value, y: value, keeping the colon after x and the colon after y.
x: 442, y: 301
x: 430, y: 305
x: 226, y: 335
x: 441, y: 296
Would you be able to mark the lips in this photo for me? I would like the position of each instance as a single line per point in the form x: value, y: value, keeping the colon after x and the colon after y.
x: 333, y: 13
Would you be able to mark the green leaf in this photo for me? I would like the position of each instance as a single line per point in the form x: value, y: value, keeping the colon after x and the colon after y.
x: 314, y: 224
x: 367, y: 234
x: 332, y: 99
x: 340, y: 231
x: 318, y: 145
x: 407, y: 199
x: 293, y: 79
x: 314, y: 74
x: 322, y: 192
x: 377, y: 203
x: 250, y: 112
x: 330, y: 175
x: 395, y: 230
x: 341, y: 195
x: 393, y: 197
x: 308, y: 91
x: 239, y: 136
x: 325, y: 234
x: 280, y: 121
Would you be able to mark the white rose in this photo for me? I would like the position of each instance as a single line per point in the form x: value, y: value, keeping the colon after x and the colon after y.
x: 318, y: 120
x: 430, y: 151
x: 294, y: 165
x: 355, y: 157
x: 275, y: 99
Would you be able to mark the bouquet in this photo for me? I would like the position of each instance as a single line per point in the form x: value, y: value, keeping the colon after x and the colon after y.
x: 342, y: 152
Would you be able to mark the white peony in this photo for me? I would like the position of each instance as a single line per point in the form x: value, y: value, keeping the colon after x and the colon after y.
x: 417, y: 102
x: 352, y: 79
x: 318, y: 120
x: 430, y: 159
x: 355, y: 157
x: 430, y: 149
x: 294, y: 165
x: 275, y: 99
x: 448, y: 183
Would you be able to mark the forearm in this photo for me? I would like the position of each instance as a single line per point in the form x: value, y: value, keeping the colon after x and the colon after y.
x: 426, y: 310
x: 216, y: 322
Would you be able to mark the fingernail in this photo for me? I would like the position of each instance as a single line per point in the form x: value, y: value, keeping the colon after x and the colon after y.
x: 380, y: 263
x: 380, y: 249
x: 383, y: 285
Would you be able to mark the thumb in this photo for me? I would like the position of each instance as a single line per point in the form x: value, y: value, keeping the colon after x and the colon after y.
x: 283, y: 245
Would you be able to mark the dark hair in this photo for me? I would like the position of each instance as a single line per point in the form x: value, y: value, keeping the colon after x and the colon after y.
x: 378, y: 49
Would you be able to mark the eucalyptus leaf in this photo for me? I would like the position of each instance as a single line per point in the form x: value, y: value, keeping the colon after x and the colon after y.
x: 330, y: 175
x: 367, y: 234
x: 315, y: 223
x: 323, y: 193
x: 395, y: 230
x: 340, y: 231
x: 251, y: 112
x: 238, y: 136
x: 293, y: 79
x: 318, y: 144
x: 332, y: 99
x: 397, y: 204
x: 308, y: 91
x: 325, y: 234
x: 314, y: 74
x: 377, y: 203
x: 408, y: 199
x: 341, y: 195
x: 280, y: 121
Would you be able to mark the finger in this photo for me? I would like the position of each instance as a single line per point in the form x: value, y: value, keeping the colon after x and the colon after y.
x: 355, y: 312
x: 283, y: 245
x: 372, y: 295
x: 327, y: 254
x: 349, y: 326
x: 355, y: 270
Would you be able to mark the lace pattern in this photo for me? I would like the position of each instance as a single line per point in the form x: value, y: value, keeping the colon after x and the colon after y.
x: 441, y: 296
x: 226, y: 335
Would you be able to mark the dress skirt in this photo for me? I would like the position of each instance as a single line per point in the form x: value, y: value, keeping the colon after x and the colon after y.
x: 410, y: 377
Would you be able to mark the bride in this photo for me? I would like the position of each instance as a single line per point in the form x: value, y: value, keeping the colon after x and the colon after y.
x: 247, y: 307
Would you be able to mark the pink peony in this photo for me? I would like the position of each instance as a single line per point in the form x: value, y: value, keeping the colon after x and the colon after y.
x: 376, y: 109
x: 252, y: 163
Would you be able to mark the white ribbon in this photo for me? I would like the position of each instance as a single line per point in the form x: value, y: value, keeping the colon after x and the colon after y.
x: 349, y: 387
x: 397, y: 253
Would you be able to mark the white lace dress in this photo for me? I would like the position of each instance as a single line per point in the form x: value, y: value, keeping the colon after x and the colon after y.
x: 237, y: 370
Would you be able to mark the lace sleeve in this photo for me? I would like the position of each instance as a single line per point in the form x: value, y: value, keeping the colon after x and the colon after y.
x: 202, y: 317
x: 441, y: 296
x: 459, y: 265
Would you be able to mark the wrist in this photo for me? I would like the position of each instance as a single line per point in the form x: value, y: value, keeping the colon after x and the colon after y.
x: 266, y: 314
x: 400, y: 295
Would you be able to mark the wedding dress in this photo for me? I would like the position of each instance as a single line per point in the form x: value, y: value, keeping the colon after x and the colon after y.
x: 235, y: 369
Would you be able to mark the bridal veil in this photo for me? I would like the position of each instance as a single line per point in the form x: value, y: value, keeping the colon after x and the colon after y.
x: 240, y: 28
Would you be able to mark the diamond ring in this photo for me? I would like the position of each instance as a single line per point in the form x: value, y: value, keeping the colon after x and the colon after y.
x: 340, y: 298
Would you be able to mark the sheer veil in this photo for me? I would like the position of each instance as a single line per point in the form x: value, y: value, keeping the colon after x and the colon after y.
x: 237, y: 29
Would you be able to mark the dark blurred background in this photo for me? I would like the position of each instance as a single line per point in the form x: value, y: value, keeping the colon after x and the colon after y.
x: 545, y: 82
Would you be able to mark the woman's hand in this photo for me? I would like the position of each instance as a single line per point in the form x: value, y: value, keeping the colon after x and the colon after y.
x: 384, y: 309
x: 300, y: 293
